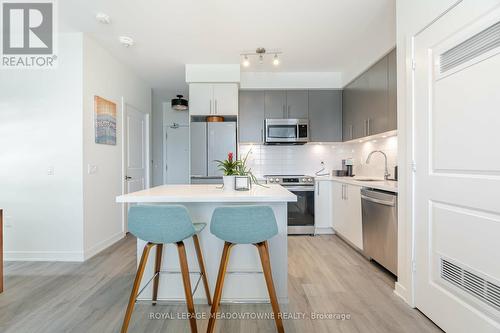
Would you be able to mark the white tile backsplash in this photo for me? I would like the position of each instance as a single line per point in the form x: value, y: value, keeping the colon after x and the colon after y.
x: 306, y: 159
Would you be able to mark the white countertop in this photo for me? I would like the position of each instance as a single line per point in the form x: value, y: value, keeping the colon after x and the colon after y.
x: 385, y: 185
x: 208, y: 193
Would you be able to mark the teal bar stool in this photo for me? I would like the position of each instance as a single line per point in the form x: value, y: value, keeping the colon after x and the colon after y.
x: 158, y: 225
x: 244, y: 225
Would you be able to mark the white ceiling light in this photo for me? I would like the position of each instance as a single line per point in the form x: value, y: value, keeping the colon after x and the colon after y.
x: 126, y: 41
x: 103, y: 18
x: 260, y: 53
x: 276, y: 60
x: 246, y: 62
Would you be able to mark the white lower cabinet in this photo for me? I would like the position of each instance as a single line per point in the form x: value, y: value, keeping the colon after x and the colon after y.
x: 346, y: 212
x: 323, y: 207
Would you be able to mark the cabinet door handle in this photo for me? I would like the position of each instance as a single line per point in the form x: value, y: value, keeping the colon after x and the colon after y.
x: 317, y: 192
x: 350, y: 128
x: 215, y: 108
x: 284, y: 111
x: 262, y: 134
x: 369, y: 126
x: 210, y: 103
x: 342, y: 191
x: 288, y: 112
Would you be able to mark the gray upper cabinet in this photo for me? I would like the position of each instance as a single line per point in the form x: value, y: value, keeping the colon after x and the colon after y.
x: 347, y: 113
x: 275, y: 104
x: 375, y: 98
x: 325, y: 115
x: 361, y: 106
x: 251, y: 116
x: 369, y: 102
x: 392, y: 119
x: 323, y: 108
x: 281, y: 104
x: 353, y: 121
x: 297, y: 104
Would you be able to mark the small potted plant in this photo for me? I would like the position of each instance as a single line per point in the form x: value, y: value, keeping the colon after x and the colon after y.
x: 230, y: 168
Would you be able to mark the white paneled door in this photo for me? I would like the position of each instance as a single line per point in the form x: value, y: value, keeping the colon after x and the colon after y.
x: 457, y: 177
x: 136, y: 138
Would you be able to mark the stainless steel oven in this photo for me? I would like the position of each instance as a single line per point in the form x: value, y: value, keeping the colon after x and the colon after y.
x: 287, y: 131
x: 300, y: 213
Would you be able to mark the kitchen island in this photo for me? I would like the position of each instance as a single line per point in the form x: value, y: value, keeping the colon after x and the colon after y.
x: 244, y: 280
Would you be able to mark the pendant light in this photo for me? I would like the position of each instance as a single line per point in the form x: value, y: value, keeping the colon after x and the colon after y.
x: 179, y: 103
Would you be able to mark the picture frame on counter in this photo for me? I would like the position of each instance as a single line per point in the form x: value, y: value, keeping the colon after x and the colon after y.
x: 242, y: 183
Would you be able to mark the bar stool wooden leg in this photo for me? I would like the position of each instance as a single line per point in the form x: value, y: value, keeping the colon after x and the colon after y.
x: 218, y: 287
x: 201, y: 263
x: 266, y: 266
x: 159, y: 252
x: 135, y: 288
x: 187, y: 286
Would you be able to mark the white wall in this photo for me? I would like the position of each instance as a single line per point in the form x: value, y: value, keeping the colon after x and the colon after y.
x: 41, y: 128
x: 306, y: 159
x: 46, y: 123
x: 411, y: 17
x: 104, y: 76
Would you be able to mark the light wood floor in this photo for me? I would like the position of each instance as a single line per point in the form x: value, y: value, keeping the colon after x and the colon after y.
x: 325, y: 276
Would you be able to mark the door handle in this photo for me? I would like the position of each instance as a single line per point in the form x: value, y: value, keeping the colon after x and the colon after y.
x: 215, y: 108
x: 128, y: 178
x: 262, y: 134
x: 350, y: 128
x: 210, y: 103
x: 318, y: 190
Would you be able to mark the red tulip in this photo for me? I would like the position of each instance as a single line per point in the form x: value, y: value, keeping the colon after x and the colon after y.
x: 230, y: 157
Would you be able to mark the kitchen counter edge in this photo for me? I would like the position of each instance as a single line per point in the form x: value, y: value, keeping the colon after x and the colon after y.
x: 388, y: 185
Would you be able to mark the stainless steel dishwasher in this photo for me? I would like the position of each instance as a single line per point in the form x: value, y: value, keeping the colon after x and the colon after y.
x: 380, y: 227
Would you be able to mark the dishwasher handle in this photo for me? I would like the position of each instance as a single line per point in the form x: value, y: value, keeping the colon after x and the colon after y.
x: 379, y: 201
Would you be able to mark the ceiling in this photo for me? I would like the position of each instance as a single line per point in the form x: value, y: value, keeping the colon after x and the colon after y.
x: 315, y: 36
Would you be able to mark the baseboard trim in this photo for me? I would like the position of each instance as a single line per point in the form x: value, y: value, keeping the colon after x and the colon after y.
x: 402, y: 293
x: 43, y: 256
x: 324, y: 231
x: 102, y: 245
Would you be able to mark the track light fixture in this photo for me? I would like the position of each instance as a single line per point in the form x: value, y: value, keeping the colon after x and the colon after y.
x: 260, y: 54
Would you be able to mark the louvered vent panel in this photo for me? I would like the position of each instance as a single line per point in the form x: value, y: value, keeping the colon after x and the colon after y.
x: 478, y: 44
x: 475, y: 285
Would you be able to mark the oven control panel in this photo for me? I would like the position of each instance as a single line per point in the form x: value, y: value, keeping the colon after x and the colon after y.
x: 290, y: 180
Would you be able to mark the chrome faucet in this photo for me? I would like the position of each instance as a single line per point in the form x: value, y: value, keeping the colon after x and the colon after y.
x: 386, y: 173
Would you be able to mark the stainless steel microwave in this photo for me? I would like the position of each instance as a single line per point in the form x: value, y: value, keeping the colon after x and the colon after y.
x: 286, y: 131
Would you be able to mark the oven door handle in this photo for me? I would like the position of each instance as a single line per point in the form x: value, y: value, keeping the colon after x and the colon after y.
x: 300, y: 188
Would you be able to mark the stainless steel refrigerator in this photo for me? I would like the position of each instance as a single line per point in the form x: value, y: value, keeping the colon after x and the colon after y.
x: 209, y: 142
